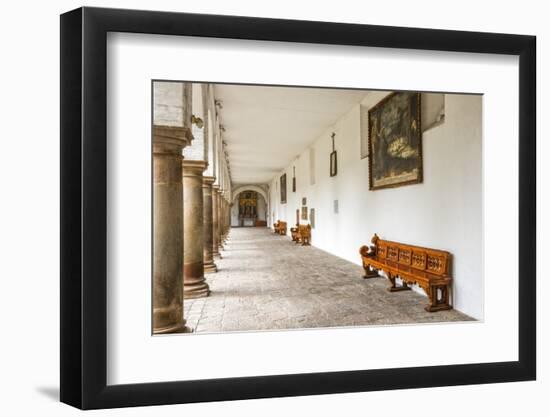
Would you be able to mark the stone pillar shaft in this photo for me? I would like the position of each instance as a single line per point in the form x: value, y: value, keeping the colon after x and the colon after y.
x: 228, y: 217
x: 215, y: 222
x: 220, y: 219
x: 225, y: 226
x: 208, y: 258
x: 194, y: 284
x: 168, y: 143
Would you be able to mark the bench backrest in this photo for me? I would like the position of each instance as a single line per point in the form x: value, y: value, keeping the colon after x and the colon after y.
x: 304, y: 229
x: 434, y: 261
x: 282, y: 224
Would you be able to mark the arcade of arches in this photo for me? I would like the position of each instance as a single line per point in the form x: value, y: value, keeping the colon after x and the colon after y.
x: 263, y: 197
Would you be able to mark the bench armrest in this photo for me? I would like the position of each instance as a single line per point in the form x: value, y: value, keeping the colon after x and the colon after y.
x: 367, y: 252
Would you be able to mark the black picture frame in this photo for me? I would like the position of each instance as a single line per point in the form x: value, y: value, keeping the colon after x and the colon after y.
x: 333, y: 164
x: 84, y: 207
x: 283, y: 188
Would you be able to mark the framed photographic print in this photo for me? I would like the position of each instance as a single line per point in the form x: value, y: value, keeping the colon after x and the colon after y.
x: 395, y: 141
x: 166, y: 194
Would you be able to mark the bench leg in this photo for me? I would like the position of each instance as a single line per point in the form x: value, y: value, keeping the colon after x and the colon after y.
x: 370, y: 272
x: 395, y: 288
x: 439, y: 300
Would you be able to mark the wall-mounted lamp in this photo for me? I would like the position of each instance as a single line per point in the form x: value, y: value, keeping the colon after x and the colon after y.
x: 197, y: 121
x: 218, y: 103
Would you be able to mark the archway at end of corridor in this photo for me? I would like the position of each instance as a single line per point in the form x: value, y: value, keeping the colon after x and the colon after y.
x: 250, y: 207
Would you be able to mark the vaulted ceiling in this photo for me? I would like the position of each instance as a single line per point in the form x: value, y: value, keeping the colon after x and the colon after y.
x: 267, y: 127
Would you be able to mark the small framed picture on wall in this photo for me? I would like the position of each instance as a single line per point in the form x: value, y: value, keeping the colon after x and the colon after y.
x: 333, y: 164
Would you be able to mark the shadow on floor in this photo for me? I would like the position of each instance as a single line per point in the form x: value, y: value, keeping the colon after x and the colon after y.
x: 50, y: 392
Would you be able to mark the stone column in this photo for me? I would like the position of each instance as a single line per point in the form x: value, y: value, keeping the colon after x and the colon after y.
x: 215, y: 222
x: 220, y: 219
x: 168, y: 143
x: 229, y: 205
x: 194, y: 284
x: 208, y: 258
x: 225, y: 219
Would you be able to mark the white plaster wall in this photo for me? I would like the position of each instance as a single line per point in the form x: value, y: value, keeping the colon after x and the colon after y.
x: 235, y: 214
x: 198, y: 149
x: 261, y: 208
x: 169, y: 103
x: 444, y: 212
x: 209, y: 132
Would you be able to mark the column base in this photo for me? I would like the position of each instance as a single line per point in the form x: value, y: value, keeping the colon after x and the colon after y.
x: 210, y: 267
x: 196, y: 290
x: 180, y: 328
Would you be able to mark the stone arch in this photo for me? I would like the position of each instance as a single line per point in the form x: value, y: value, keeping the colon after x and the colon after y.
x: 256, y: 188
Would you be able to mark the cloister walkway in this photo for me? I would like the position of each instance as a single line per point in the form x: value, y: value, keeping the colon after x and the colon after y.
x: 266, y: 281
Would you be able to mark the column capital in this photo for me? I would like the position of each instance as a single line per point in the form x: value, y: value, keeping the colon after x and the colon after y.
x: 216, y: 187
x: 206, y: 180
x: 192, y: 167
x: 170, y: 139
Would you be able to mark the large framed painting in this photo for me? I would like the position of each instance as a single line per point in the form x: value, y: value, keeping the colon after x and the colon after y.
x: 283, y: 189
x: 152, y: 272
x: 395, y: 141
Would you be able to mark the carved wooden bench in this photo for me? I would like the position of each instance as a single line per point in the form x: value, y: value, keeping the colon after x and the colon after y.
x: 301, y: 234
x: 294, y: 234
x: 429, y: 268
x: 304, y: 234
x: 280, y: 228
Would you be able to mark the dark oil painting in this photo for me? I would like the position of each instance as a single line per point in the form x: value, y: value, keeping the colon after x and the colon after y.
x: 283, y: 189
x: 395, y: 141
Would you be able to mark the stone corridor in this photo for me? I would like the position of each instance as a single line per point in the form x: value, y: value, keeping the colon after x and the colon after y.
x: 266, y: 281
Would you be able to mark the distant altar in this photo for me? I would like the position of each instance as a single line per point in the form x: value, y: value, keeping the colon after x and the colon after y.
x: 248, y: 208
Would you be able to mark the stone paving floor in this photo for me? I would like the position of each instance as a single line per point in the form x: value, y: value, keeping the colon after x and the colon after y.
x: 265, y: 281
